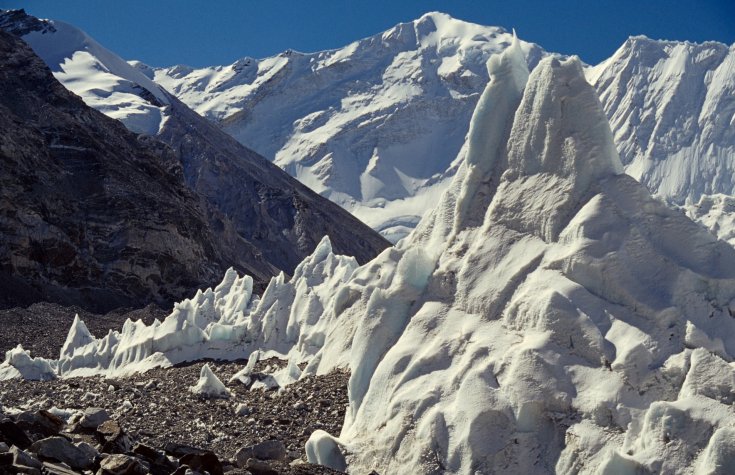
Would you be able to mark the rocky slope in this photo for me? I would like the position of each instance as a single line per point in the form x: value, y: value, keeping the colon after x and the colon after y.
x: 156, y: 415
x: 263, y: 221
x: 91, y: 213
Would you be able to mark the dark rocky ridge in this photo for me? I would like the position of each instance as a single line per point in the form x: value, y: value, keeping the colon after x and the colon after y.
x: 240, y: 209
x: 271, y: 214
x: 90, y: 213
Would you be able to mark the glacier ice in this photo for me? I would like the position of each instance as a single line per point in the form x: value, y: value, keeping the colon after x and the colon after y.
x: 564, y: 322
x: 209, y: 385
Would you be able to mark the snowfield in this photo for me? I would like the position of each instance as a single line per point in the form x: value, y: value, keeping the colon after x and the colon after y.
x: 103, y: 80
x: 547, y: 316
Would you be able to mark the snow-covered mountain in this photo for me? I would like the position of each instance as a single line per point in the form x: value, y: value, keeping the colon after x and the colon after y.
x: 547, y: 316
x: 375, y: 125
x: 101, y: 78
x: 671, y: 106
x: 372, y: 126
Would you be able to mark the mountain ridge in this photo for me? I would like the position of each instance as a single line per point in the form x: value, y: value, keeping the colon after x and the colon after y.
x: 399, y: 199
x: 267, y: 221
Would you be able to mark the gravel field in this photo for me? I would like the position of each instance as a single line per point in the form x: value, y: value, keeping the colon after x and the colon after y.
x: 157, y: 408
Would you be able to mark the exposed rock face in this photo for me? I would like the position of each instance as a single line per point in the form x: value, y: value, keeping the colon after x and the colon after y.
x: 240, y: 210
x: 272, y: 219
x: 89, y: 212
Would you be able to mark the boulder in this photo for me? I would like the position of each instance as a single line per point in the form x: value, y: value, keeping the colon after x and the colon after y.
x: 61, y: 450
x: 113, y: 438
x: 203, y: 462
x: 21, y: 457
x: 41, y: 422
x: 260, y: 467
x: 267, y: 450
x: 93, y: 417
x: 159, y: 463
x: 11, y: 434
x: 120, y: 464
x: 57, y: 469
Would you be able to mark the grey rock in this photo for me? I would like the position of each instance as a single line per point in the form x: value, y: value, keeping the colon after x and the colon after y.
x: 113, y: 438
x: 159, y: 463
x: 203, y: 462
x: 91, y: 213
x: 93, y: 417
x: 40, y: 422
x: 57, y: 469
x: 61, y: 450
x: 12, y: 434
x: 21, y: 457
x: 267, y: 450
x: 3, y: 447
x: 25, y: 469
x: 260, y: 467
x: 119, y: 464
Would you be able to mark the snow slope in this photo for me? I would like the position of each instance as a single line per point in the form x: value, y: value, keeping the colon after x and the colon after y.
x: 103, y: 80
x: 672, y: 110
x: 372, y: 126
x: 548, y: 316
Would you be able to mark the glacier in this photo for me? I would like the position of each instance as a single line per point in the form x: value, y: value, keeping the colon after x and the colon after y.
x: 547, y: 316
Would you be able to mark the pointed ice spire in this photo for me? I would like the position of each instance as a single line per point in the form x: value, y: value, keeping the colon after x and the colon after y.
x: 489, y: 129
x: 209, y: 385
x: 560, y: 146
x: 77, y: 337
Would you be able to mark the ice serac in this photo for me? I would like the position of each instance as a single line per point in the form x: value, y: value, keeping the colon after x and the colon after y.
x: 291, y: 319
x: 559, y: 343
x: 209, y: 385
x: 78, y: 336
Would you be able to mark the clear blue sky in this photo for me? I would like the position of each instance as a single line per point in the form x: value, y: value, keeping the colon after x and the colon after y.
x: 199, y: 32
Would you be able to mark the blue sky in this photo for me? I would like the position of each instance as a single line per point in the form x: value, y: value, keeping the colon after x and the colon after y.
x: 199, y: 33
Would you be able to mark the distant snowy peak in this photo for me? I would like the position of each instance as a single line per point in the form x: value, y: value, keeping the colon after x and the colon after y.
x: 373, y: 125
x: 672, y: 110
x: 102, y: 79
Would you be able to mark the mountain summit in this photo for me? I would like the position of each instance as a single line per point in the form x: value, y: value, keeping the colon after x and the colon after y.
x: 371, y: 126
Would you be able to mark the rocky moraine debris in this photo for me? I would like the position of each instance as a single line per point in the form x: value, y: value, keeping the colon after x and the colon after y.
x: 152, y: 423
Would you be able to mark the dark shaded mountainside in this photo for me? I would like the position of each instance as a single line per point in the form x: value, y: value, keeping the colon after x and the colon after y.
x: 94, y: 215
